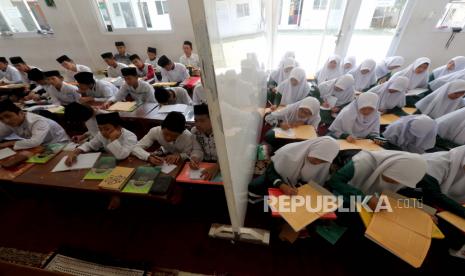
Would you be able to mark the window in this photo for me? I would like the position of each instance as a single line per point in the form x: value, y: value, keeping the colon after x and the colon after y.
x: 320, y: 4
x: 22, y: 16
x: 454, y: 16
x: 134, y: 15
x: 242, y: 10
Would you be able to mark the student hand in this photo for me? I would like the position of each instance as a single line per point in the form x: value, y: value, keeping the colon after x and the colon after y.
x: 86, y: 99
x: 288, y: 190
x: 325, y: 104
x: 297, y: 124
x: 208, y: 174
x: 335, y: 109
x: 285, y: 126
x: 194, y: 163
x: 72, y: 157
x: 107, y: 105
x: 78, y: 138
x: 155, y: 160
x: 273, y: 107
x: 7, y: 144
x: 378, y: 142
x: 274, y: 90
x: 350, y: 139
x: 114, y: 135
x: 173, y: 158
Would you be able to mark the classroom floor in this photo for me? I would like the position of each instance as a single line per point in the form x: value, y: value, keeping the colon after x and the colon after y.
x: 176, y: 237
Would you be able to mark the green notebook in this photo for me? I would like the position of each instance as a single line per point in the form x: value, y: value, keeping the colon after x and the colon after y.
x: 101, y: 169
x: 330, y: 231
x: 142, y: 180
x: 50, y: 151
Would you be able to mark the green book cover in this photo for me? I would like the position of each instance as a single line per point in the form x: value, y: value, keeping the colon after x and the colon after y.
x: 50, y: 151
x: 330, y: 231
x: 142, y: 180
x: 101, y: 169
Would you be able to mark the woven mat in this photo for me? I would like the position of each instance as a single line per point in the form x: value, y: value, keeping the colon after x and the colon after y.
x: 22, y: 257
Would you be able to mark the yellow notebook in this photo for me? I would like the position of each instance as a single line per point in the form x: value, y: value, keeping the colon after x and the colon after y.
x: 361, y: 144
x: 387, y: 119
x: 123, y: 106
x: 117, y: 178
x: 409, y: 110
x: 164, y: 84
x: 304, y: 132
x: 453, y: 219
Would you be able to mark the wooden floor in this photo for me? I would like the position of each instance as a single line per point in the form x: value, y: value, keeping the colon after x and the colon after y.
x: 176, y: 237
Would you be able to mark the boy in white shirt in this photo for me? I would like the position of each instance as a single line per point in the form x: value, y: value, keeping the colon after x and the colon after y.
x: 171, y: 71
x: 122, y: 56
x: 80, y: 113
x: 144, y: 70
x: 114, y: 67
x: 35, y: 129
x: 71, y: 68
x: 172, y: 95
x: 8, y: 73
x: 60, y: 92
x: 22, y: 67
x: 92, y: 89
x: 174, y: 139
x: 139, y: 90
x: 153, y: 59
x: 189, y: 59
x: 111, y: 136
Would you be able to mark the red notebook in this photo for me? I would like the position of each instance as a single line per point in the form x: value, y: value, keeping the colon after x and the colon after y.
x: 277, y: 192
x: 191, y: 82
x: 185, y: 177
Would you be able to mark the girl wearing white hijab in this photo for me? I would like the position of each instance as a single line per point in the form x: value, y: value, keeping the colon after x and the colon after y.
x: 348, y: 64
x: 293, y: 89
x: 451, y: 129
x: 374, y: 172
x: 435, y: 84
x: 359, y: 119
x: 330, y: 70
x: 417, y: 73
x: 445, y: 99
x: 453, y: 65
x: 364, y: 75
x: 413, y: 133
x: 297, y: 163
x: 444, y: 184
x: 385, y: 67
x: 282, y: 73
x: 392, y: 95
x: 341, y: 88
x: 304, y: 112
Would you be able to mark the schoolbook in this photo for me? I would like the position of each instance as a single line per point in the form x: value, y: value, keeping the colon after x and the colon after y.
x: 162, y: 185
x: 142, y: 180
x: 117, y: 178
x: 101, y: 169
x: 49, y: 152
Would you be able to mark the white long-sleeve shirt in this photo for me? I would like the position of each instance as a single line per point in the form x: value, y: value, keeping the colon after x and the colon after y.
x: 178, y: 74
x: 36, y: 130
x: 102, y: 90
x: 69, y: 75
x: 144, y: 93
x: 11, y: 74
x: 114, y: 72
x: 182, y: 97
x: 182, y: 145
x: 154, y: 64
x: 67, y: 94
x: 204, y: 147
x: 120, y: 148
x: 193, y: 60
x: 198, y: 96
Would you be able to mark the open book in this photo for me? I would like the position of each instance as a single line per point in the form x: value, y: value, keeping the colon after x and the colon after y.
x: 123, y: 106
x: 416, y: 91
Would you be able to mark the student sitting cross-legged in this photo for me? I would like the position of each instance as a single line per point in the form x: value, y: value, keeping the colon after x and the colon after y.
x: 60, y: 92
x: 139, y: 90
x: 34, y: 129
x: 111, y: 136
x: 92, y: 89
x: 204, y: 148
x: 172, y: 95
x: 174, y: 139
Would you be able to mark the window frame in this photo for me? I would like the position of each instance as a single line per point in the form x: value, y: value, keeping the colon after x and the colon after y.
x: 446, y: 10
x: 129, y: 31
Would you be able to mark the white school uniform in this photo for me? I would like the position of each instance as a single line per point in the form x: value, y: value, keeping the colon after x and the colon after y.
x: 326, y: 74
x: 24, y: 75
x: 291, y: 94
x: 144, y: 93
x: 142, y: 73
x: 102, y: 90
x: 67, y: 94
x: 178, y: 74
x: 193, y: 60
x: 198, y: 96
x: 69, y: 75
x: 435, y: 84
x: 348, y: 60
x: 183, y: 144
x: 203, y: 147
x: 114, y: 72
x: 279, y: 75
x: 459, y: 62
x: 120, y: 148
x: 389, y: 100
x: 36, y: 130
x: 364, y: 81
x: 11, y: 74
x: 452, y: 126
x: 182, y: 97
x: 415, y: 80
x: 344, y: 82
x: 382, y: 67
x: 290, y: 113
x: 154, y: 63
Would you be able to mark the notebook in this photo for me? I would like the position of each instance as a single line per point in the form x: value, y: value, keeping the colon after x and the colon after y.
x: 6, y: 152
x: 173, y: 107
x: 123, y: 106
x: 116, y: 179
x: 50, y: 151
x: 303, y: 132
x: 359, y: 144
x: 387, y: 119
x: 281, y: 133
x: 83, y: 161
x: 101, y: 169
x: 142, y: 180
x: 416, y: 91
x: 187, y: 175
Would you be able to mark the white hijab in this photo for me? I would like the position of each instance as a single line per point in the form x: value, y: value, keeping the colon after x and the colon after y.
x: 416, y: 80
x: 325, y: 73
x: 438, y: 103
x: 292, y: 164
x: 291, y: 94
x: 279, y: 75
x: 447, y: 167
x: 404, y: 167
x: 382, y: 67
x: 291, y: 112
x: 363, y: 81
x: 350, y: 121
x: 344, y: 82
x: 389, y: 100
x: 413, y: 133
x: 459, y: 62
x: 435, y: 84
x: 348, y: 60
x: 452, y: 126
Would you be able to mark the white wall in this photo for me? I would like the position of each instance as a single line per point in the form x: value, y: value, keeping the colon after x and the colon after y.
x: 72, y: 18
x: 420, y: 37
